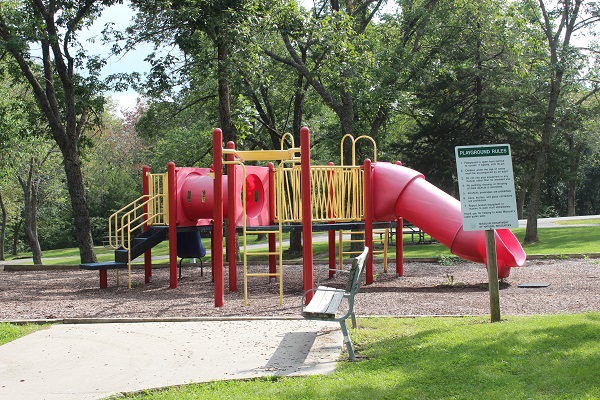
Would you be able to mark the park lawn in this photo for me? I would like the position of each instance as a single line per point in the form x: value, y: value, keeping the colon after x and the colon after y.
x: 562, y: 241
x: 10, y: 332
x: 581, y: 240
x: 536, y: 357
x: 586, y: 221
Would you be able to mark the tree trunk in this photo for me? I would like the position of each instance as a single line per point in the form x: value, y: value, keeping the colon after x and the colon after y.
x: 65, y: 109
x: 2, y: 228
x: 30, y: 193
x: 572, y: 177
x: 296, y: 236
x: 567, y: 22
x: 15, y: 244
x: 81, y: 214
x: 521, y: 198
x: 531, y: 232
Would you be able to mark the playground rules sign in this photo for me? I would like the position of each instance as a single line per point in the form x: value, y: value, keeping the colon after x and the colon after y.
x: 487, y: 188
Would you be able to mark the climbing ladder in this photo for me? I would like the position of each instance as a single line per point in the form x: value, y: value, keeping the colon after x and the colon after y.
x: 379, y: 235
x: 284, y: 156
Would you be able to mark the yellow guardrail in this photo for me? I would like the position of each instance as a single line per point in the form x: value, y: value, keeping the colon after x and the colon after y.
x: 337, y: 193
x: 133, y: 216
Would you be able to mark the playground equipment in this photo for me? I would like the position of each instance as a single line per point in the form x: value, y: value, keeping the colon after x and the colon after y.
x: 288, y: 194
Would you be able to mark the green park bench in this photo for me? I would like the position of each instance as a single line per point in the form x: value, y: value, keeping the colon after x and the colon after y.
x: 326, y: 301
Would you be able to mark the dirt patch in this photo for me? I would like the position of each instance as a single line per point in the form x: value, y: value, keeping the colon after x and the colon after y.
x: 425, y: 289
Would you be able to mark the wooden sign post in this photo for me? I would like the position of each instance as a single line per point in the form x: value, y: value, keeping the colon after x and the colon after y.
x: 488, y: 202
x: 492, y: 268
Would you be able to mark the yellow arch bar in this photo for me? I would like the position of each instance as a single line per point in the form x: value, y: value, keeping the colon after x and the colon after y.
x: 349, y: 136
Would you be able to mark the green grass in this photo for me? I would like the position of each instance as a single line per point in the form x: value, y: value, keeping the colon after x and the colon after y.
x: 10, y: 332
x: 553, y: 241
x: 571, y: 240
x: 540, y: 357
x: 587, y: 221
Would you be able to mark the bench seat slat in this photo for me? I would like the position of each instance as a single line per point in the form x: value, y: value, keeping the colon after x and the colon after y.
x: 324, y: 303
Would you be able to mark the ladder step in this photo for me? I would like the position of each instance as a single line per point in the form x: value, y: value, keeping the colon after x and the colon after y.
x: 262, y: 253
x: 260, y: 232
x: 352, y: 252
x: 264, y: 274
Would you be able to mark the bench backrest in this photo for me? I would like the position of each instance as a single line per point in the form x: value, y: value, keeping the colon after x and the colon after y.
x: 356, y: 272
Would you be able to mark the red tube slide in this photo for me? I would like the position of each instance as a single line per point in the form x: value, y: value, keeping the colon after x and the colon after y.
x: 404, y: 192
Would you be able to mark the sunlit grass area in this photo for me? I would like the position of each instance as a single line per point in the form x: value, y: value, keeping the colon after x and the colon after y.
x: 586, y: 221
x: 539, y: 357
x: 10, y: 332
x: 553, y: 242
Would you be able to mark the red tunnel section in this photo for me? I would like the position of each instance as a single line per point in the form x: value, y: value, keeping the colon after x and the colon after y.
x: 404, y: 192
x: 195, y: 189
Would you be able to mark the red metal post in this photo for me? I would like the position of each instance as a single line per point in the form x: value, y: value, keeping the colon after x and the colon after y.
x: 231, y: 222
x: 146, y: 193
x: 368, y: 194
x: 172, y: 184
x: 399, y: 247
x: 272, y: 205
x: 307, y: 249
x: 399, y: 242
x: 217, y: 255
x: 103, y: 279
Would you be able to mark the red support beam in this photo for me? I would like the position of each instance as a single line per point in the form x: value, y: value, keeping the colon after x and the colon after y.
x: 103, y: 279
x: 399, y: 247
x: 399, y: 242
x: 231, y: 223
x: 217, y: 255
x: 305, y: 182
x: 331, y: 233
x: 172, y: 184
x: 272, y: 239
x: 368, y: 195
x: 146, y: 192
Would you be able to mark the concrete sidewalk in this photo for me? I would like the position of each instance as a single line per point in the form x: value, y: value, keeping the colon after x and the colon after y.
x: 93, y: 361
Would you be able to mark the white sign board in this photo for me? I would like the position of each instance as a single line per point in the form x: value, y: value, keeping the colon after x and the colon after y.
x: 487, y: 187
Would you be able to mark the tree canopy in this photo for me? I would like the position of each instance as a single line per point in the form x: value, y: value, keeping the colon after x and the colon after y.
x: 420, y: 78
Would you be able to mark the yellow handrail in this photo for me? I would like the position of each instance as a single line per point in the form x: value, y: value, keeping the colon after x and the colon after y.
x: 349, y: 136
x: 134, y: 215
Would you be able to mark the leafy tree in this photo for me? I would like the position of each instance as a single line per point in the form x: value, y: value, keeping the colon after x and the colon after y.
x: 113, y: 171
x: 470, y: 90
x: 26, y: 152
x: 67, y: 100
x: 325, y: 48
x: 185, y: 24
x: 558, y: 23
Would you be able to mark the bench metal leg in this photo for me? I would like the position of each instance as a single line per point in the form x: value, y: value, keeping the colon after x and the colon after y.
x: 354, y: 325
x: 347, y: 341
